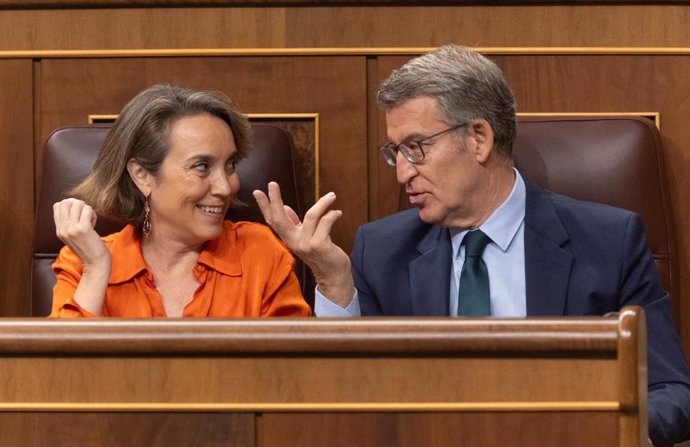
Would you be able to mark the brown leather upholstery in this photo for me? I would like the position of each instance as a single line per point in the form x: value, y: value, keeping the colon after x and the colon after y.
x: 612, y: 160
x: 69, y: 154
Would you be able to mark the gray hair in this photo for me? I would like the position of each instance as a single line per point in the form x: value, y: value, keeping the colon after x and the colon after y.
x: 465, y: 84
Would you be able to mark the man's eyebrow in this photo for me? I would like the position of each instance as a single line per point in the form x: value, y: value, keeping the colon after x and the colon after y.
x: 415, y: 136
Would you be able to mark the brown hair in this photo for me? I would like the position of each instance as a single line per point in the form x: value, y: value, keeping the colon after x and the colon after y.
x: 142, y: 132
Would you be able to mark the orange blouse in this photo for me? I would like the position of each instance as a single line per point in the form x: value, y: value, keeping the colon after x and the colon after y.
x: 245, y: 272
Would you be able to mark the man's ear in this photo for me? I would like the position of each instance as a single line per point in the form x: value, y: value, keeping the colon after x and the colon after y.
x: 483, y: 135
x: 140, y: 176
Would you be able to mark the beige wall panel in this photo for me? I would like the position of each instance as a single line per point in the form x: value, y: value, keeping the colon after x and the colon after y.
x: 16, y: 185
x: 73, y: 89
x: 141, y: 28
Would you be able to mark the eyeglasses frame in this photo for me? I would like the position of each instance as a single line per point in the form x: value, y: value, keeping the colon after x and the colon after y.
x: 391, y: 149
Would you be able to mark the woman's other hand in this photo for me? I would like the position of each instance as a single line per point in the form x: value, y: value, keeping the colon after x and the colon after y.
x: 74, y: 225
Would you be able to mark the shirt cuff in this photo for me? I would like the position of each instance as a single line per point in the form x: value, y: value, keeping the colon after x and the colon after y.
x: 72, y: 309
x: 323, y: 307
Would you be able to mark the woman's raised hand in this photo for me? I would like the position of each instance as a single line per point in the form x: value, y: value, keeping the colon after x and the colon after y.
x: 74, y: 225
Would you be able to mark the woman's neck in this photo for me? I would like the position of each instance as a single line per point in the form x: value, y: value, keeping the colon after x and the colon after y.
x: 166, y: 256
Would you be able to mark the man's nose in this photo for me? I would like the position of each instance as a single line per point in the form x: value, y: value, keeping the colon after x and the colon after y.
x: 404, y: 170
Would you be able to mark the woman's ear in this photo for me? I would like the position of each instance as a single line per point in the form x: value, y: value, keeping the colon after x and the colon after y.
x: 140, y: 176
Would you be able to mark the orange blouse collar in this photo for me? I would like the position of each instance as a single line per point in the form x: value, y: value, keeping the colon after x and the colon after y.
x: 219, y: 254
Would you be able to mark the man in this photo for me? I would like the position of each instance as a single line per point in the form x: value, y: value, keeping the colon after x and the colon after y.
x: 483, y: 241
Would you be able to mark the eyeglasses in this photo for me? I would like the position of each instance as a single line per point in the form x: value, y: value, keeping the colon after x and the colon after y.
x: 414, y: 150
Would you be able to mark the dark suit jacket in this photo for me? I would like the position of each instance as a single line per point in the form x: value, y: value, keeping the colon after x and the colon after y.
x: 581, y: 258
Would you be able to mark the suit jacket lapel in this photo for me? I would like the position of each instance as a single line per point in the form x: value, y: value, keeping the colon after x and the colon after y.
x: 430, y: 274
x: 547, y: 265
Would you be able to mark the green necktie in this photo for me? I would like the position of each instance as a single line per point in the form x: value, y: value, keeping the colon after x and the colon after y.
x: 473, y: 297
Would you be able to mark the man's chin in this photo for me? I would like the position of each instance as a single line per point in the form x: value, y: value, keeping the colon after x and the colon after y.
x: 427, y: 216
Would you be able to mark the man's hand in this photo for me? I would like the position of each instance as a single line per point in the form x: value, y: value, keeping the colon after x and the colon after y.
x: 311, y: 241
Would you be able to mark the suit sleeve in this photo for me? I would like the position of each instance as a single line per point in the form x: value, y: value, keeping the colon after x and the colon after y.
x: 668, y: 374
x: 368, y: 302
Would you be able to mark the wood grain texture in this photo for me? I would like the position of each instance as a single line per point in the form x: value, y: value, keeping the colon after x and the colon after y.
x: 633, y: 378
x: 65, y: 429
x: 441, y: 429
x: 281, y: 26
x: 489, y: 26
x: 141, y: 28
x: 24, y: 4
x: 297, y: 361
x: 374, y: 373
x: 409, y: 336
x: 16, y: 184
x: 258, y: 383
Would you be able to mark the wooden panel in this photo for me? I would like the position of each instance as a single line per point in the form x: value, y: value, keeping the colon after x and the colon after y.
x: 141, y: 28
x: 419, y: 379
x: 308, y: 381
x: 441, y: 430
x: 344, y: 26
x: 139, y: 3
x: 127, y: 429
x: 385, y: 190
x: 497, y: 26
x: 16, y: 185
x: 258, y: 85
x: 256, y: 364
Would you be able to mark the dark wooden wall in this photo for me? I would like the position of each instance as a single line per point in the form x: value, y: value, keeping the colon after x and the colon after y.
x: 60, y: 62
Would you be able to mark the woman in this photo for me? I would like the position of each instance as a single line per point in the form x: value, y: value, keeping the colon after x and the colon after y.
x: 167, y: 169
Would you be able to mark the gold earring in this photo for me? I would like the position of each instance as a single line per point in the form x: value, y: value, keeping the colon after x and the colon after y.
x: 146, y: 226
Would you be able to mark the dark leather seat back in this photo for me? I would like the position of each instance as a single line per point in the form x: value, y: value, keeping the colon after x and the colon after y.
x: 69, y: 155
x: 612, y: 160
